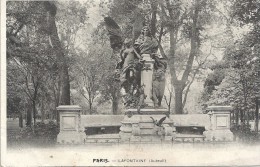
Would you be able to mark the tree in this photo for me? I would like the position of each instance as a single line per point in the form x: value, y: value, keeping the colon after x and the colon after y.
x: 109, y: 86
x: 178, y: 26
x: 70, y: 19
x: 110, y: 89
x: 94, y: 72
x: 14, y: 92
x: 61, y: 59
x: 89, y: 77
x: 233, y: 80
x: 26, y: 52
x: 30, y: 52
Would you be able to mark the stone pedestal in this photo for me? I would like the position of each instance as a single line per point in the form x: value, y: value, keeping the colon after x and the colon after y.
x: 141, y: 128
x: 147, y: 78
x: 219, y: 129
x: 70, y: 130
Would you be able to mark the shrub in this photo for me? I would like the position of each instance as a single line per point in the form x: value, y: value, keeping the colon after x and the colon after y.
x: 244, y: 133
x: 40, y: 134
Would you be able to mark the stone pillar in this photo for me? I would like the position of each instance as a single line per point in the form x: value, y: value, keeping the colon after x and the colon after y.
x: 70, y: 125
x: 219, y: 128
x: 147, y: 78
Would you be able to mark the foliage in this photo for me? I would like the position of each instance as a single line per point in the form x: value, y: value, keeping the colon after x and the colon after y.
x: 233, y: 82
x: 33, y: 68
x: 94, y: 72
x: 182, y: 33
x: 29, y: 57
x: 244, y: 133
x: 179, y: 27
x: 246, y: 11
x: 41, y: 135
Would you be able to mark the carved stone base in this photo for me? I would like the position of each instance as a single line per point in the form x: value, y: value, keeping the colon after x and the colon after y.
x: 141, y: 128
x: 218, y: 135
x: 70, y: 137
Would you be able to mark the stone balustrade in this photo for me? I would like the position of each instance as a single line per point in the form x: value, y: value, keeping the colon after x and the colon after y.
x: 72, y: 124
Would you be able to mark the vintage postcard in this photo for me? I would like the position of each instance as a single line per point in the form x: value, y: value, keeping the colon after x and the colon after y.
x: 130, y: 83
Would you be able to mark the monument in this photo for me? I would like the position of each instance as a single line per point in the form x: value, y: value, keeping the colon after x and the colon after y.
x: 142, y: 77
x: 141, y: 72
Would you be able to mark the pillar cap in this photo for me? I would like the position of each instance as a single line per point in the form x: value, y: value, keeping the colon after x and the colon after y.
x: 219, y: 108
x: 68, y: 108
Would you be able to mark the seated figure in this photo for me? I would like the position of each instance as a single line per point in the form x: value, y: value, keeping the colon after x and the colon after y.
x: 145, y: 43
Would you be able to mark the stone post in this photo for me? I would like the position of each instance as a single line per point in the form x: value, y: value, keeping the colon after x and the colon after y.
x: 220, y: 124
x: 147, y: 78
x: 70, y: 125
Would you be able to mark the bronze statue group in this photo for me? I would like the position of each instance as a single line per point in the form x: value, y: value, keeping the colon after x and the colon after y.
x: 131, y: 64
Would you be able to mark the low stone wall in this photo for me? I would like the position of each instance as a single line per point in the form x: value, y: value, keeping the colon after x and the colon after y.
x: 73, y: 125
x: 201, y: 120
x: 115, y: 120
x: 101, y: 120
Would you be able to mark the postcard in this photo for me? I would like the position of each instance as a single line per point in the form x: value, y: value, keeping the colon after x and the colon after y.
x: 130, y: 83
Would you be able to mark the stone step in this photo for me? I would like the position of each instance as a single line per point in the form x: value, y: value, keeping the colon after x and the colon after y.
x: 102, y: 138
x: 188, y: 138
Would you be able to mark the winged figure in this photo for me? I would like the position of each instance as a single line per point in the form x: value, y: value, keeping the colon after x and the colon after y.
x: 130, y: 52
x: 115, y: 34
x: 130, y: 64
x: 158, y: 123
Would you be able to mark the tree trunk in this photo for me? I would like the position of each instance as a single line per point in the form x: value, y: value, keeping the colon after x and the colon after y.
x: 236, y: 117
x: 42, y: 111
x: 257, y: 115
x: 178, y: 99
x: 55, y: 114
x: 247, y: 117
x: 115, y: 107
x: 29, y: 117
x: 65, y: 88
x: 154, y: 5
x: 242, y: 116
x: 233, y: 117
x: 20, y: 119
x: 61, y: 58
x: 115, y: 102
x: 179, y: 85
x: 34, y: 112
x: 90, y: 106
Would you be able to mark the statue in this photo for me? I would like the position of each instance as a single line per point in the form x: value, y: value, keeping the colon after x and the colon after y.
x: 142, y: 78
x: 130, y: 71
x: 145, y: 42
x: 133, y: 67
x: 158, y: 84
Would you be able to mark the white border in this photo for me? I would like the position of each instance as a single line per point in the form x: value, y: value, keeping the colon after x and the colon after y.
x: 179, y: 155
x: 3, y: 82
